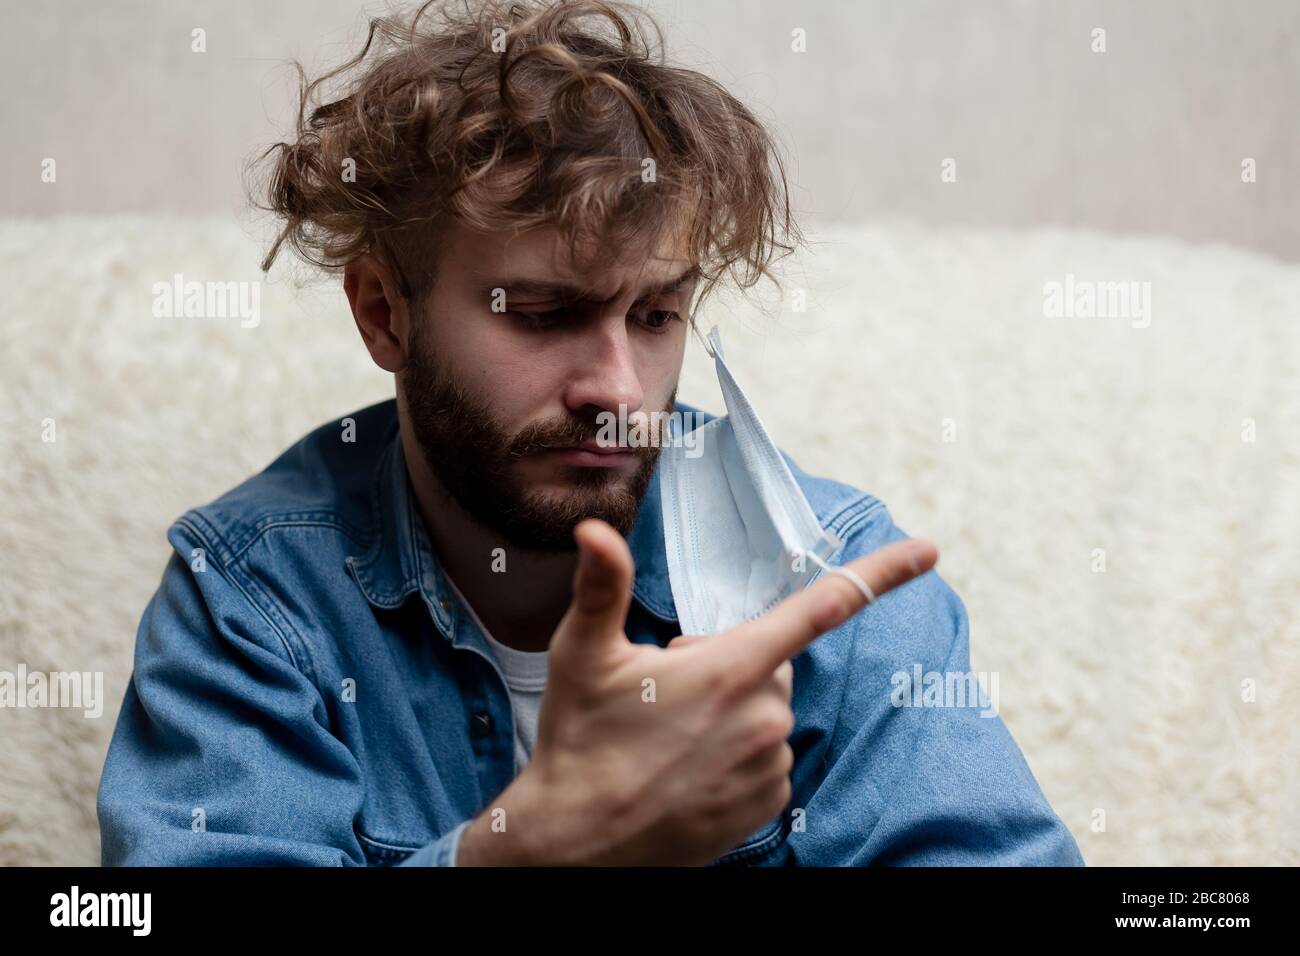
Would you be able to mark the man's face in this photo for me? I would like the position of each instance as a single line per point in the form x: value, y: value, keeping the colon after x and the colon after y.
x: 499, y: 401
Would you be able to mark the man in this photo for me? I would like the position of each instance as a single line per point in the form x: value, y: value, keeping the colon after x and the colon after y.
x: 441, y: 630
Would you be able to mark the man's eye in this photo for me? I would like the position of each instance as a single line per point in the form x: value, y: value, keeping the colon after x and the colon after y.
x: 659, y: 319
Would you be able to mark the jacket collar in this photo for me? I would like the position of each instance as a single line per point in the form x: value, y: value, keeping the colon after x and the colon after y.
x: 400, y: 559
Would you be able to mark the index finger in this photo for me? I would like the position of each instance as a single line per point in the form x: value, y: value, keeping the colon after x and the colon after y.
x: 759, y: 646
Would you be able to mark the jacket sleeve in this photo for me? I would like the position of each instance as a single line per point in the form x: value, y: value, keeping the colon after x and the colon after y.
x: 222, y: 753
x: 924, y: 785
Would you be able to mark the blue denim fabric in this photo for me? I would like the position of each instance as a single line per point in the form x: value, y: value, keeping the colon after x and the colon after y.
x: 238, y: 742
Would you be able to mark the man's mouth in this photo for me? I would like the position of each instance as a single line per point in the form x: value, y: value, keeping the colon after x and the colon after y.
x: 590, y: 454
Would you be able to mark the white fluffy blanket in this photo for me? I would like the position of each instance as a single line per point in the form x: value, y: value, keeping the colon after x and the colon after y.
x: 920, y: 366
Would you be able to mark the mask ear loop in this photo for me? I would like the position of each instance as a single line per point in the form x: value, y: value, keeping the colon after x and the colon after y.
x: 852, y: 576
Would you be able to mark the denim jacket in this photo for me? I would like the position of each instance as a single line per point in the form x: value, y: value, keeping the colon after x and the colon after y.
x: 307, y: 691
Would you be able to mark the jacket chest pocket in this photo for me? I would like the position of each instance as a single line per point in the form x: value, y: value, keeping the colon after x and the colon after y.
x: 381, y: 853
x: 760, y: 844
x: 392, y: 828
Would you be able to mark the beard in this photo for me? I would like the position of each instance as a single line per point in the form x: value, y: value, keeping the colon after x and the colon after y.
x: 473, y: 456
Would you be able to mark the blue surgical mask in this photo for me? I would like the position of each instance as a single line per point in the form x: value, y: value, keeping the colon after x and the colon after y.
x: 740, y: 535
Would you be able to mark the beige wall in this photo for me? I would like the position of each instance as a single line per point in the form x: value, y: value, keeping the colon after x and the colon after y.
x: 1147, y: 137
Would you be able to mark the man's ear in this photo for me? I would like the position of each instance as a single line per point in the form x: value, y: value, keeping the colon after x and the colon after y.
x: 379, y: 310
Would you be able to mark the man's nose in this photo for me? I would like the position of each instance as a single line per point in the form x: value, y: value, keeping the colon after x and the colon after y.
x: 603, y: 374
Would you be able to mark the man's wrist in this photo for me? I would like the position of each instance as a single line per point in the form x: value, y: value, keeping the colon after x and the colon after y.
x: 504, y: 834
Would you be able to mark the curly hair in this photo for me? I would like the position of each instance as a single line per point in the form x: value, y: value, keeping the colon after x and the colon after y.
x: 512, y: 114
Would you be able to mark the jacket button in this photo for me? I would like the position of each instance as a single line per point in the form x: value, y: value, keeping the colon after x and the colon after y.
x: 481, y: 725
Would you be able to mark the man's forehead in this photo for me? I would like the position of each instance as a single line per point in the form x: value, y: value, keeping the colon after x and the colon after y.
x: 541, y: 261
x: 606, y: 287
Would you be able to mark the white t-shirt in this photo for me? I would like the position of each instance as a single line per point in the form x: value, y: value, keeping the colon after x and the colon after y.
x: 525, y: 674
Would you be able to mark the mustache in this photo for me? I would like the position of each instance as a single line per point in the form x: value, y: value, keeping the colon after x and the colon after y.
x: 563, y: 433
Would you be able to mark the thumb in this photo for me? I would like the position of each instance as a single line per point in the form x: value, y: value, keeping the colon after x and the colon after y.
x: 602, y: 590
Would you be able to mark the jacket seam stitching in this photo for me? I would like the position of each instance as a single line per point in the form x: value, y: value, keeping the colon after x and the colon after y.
x: 228, y: 571
x: 314, y: 519
x: 853, y: 514
x: 851, y: 524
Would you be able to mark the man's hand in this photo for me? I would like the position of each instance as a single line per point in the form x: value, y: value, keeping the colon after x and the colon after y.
x: 653, y: 756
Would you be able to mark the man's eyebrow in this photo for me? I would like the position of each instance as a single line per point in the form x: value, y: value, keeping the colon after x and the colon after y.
x: 571, y: 293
